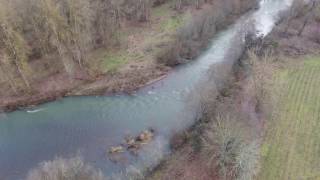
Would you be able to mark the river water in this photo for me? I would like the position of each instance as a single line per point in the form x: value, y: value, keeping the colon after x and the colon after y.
x: 89, y: 126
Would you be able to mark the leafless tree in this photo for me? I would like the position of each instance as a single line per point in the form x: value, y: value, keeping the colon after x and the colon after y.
x: 65, y: 169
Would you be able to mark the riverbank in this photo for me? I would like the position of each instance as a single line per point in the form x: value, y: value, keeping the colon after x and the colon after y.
x: 134, y: 64
x: 234, y: 104
x: 252, y: 95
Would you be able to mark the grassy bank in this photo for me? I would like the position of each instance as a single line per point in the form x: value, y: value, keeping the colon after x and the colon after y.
x: 291, y: 146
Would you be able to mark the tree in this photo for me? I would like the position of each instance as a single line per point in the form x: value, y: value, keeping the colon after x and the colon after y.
x: 78, y: 15
x: 63, y: 26
x: 106, y: 22
x: 14, y: 46
x: 222, y: 142
x: 65, y: 169
x: 6, y: 74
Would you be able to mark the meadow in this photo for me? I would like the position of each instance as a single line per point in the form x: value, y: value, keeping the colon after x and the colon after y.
x: 291, y: 148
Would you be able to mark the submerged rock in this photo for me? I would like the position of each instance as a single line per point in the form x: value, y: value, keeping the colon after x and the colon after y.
x: 130, y: 142
x: 116, y: 149
x: 118, y: 158
x: 145, y: 137
x: 133, y: 145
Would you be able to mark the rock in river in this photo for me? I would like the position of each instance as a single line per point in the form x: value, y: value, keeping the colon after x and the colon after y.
x: 145, y: 137
x: 116, y: 149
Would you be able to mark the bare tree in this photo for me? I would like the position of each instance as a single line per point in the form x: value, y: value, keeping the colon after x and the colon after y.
x: 308, y: 16
x: 222, y: 142
x: 14, y: 45
x: 78, y: 15
x: 6, y: 74
x: 65, y: 169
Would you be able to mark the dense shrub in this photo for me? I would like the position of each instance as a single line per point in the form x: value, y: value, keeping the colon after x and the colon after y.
x: 169, y: 55
x: 247, y: 161
x: 196, y: 34
x: 228, y: 149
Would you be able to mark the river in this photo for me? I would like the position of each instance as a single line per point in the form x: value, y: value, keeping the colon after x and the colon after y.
x: 91, y: 125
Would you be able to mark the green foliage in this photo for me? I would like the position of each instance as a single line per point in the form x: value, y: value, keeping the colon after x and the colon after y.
x: 172, y: 24
x: 112, y: 61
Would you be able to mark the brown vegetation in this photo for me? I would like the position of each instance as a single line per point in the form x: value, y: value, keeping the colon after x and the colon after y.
x: 65, y: 169
x: 298, y: 33
x: 51, y: 47
x: 228, y: 150
x: 232, y: 124
x: 67, y: 28
x: 195, y: 35
x: 223, y: 144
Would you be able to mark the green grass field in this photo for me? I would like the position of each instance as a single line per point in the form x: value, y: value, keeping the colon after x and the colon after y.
x: 291, y: 149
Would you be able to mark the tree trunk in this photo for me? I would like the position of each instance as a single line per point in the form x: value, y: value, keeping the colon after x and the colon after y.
x: 9, y: 79
x: 18, y: 65
x: 308, y: 16
x: 21, y: 73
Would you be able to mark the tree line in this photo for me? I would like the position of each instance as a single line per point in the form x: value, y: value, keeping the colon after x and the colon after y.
x: 70, y: 29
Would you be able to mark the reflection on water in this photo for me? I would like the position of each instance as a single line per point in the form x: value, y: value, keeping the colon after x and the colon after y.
x: 90, y: 125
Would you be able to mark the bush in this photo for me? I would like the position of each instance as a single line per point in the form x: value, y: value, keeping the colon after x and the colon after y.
x: 190, y: 39
x: 195, y: 35
x: 131, y: 173
x: 247, y: 162
x: 222, y: 142
x: 226, y: 146
x: 169, y: 55
x: 262, y: 69
x: 65, y: 169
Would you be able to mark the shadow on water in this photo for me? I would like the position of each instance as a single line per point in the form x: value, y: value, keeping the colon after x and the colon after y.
x: 91, y: 125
